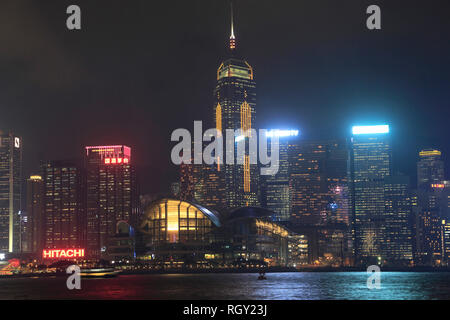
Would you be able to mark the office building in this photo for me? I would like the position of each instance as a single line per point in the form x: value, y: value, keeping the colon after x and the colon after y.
x: 397, y: 247
x: 235, y: 108
x: 10, y: 192
x: 275, y: 192
x: 64, y: 205
x: 35, y: 215
x: 111, y: 194
x: 370, y: 163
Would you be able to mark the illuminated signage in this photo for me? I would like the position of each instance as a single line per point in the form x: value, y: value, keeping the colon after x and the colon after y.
x: 109, y: 151
x: 427, y: 153
x: 282, y: 133
x: 35, y: 177
x: 438, y: 185
x: 118, y: 160
x: 370, y: 129
x: 17, y: 142
x: 62, y: 253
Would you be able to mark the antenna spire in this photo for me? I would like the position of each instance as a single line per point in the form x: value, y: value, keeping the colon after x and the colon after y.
x: 232, y: 38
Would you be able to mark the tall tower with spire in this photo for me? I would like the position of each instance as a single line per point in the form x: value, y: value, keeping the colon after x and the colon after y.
x: 232, y: 38
x: 235, y: 108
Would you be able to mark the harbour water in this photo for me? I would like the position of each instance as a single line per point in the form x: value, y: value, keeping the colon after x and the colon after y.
x: 235, y: 286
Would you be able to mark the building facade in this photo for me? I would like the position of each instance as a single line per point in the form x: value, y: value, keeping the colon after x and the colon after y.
x: 398, y: 245
x: 370, y: 163
x: 35, y: 214
x: 430, y: 168
x: 180, y: 233
x: 432, y: 208
x: 235, y: 109
x: 10, y: 191
x: 64, y: 205
x: 275, y: 192
x: 111, y: 194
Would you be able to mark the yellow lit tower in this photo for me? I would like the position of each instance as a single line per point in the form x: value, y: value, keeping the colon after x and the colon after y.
x: 234, y: 108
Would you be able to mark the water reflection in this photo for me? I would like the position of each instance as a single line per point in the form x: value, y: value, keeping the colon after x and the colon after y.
x: 278, y: 286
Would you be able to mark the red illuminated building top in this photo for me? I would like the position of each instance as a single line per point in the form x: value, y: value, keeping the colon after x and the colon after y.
x: 118, y: 154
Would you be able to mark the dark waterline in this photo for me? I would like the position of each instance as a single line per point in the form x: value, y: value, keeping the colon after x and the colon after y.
x: 278, y: 286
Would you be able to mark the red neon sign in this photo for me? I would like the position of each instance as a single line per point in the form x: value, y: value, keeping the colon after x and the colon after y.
x: 116, y: 160
x: 62, y: 253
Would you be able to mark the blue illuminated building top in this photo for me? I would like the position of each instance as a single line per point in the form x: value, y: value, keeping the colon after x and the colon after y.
x: 370, y: 129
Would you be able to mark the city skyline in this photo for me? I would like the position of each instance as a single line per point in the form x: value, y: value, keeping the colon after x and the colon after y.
x: 317, y: 85
x: 227, y: 149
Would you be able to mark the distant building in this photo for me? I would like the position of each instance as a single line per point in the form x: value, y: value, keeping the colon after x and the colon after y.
x: 370, y: 163
x: 187, y: 181
x: 10, y: 192
x: 319, y: 198
x: 275, y: 192
x: 64, y: 205
x: 175, y: 189
x: 111, y: 194
x: 430, y: 168
x: 35, y: 214
x: 397, y: 245
x: 445, y: 234
x: 432, y: 209
x: 318, y: 182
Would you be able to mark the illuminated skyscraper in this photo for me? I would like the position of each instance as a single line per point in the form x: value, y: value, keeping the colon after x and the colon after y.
x: 64, y: 205
x: 433, y: 200
x: 430, y: 168
x: 275, y: 188
x: 186, y: 182
x: 397, y: 247
x: 320, y: 198
x: 234, y: 108
x: 370, y: 163
x: 35, y: 214
x: 318, y: 182
x: 10, y: 191
x: 111, y: 194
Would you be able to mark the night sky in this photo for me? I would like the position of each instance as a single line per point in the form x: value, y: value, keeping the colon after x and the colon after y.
x: 140, y: 69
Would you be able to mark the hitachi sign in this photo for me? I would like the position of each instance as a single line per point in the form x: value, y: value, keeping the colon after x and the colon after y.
x: 62, y: 253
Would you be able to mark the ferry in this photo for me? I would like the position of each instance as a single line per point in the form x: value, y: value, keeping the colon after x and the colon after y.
x: 99, y: 273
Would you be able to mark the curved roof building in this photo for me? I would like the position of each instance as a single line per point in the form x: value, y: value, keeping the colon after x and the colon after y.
x: 171, y: 220
x: 181, y: 232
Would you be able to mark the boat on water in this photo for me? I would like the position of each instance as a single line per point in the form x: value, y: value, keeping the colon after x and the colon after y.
x: 262, y: 276
x: 99, y: 273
